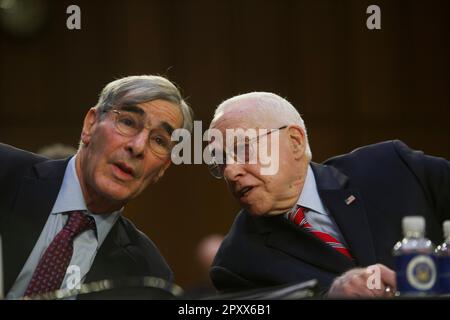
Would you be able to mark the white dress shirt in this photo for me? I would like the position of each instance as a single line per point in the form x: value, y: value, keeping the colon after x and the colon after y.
x: 317, y: 214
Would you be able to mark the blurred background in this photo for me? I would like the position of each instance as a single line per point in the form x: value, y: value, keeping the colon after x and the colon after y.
x: 352, y: 85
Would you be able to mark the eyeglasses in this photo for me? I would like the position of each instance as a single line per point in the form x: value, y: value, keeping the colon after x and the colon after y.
x: 130, y: 124
x: 240, y: 154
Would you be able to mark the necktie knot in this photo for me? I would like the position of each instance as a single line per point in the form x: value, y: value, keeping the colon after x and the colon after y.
x: 297, y: 215
x: 78, y: 222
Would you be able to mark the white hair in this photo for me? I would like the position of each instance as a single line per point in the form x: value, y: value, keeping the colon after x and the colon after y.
x: 266, y: 105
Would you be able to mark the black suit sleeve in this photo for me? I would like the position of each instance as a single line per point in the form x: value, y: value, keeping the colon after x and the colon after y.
x: 433, y: 174
x: 14, y: 163
x: 227, y: 281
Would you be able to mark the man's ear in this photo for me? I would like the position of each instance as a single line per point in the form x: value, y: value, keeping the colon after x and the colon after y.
x: 88, y: 125
x: 297, y: 140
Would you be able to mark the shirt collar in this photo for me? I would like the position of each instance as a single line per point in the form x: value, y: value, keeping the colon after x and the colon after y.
x: 309, y: 197
x: 70, y: 198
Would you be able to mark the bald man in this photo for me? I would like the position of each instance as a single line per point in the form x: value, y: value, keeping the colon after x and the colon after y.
x: 306, y: 220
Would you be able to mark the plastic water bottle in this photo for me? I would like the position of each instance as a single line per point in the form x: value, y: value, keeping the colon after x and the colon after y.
x: 415, y: 260
x: 443, y: 253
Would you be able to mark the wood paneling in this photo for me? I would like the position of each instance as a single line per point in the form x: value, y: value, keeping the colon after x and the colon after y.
x: 353, y: 86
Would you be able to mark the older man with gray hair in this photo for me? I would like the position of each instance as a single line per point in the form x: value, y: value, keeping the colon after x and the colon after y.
x: 328, y: 221
x: 64, y: 218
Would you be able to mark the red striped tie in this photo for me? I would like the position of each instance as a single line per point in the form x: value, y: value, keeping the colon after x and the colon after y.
x: 299, y: 218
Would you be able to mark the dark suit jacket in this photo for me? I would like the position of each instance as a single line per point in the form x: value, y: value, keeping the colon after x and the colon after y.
x: 29, y: 185
x: 389, y: 181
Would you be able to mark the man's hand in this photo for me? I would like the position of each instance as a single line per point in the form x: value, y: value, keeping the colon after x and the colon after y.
x: 355, y: 283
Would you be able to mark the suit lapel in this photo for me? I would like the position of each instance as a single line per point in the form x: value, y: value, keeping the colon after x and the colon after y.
x: 286, y: 237
x: 350, y: 216
x: 114, y: 258
x: 37, y: 194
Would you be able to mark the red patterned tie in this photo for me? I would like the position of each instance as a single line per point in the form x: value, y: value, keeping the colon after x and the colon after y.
x: 50, y: 271
x: 299, y: 218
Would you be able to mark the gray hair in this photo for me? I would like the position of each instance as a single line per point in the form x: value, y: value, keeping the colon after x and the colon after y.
x: 267, y: 105
x: 133, y: 90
